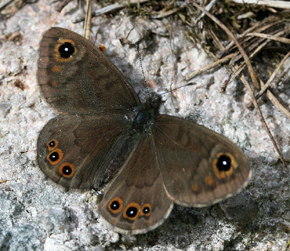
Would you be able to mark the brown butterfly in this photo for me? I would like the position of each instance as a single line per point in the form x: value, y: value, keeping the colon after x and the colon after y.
x: 104, y: 133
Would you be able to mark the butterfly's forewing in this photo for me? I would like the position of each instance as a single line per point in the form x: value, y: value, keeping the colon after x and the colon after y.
x: 135, y: 201
x: 83, y: 151
x: 87, y: 143
x: 76, y: 78
x: 199, y: 167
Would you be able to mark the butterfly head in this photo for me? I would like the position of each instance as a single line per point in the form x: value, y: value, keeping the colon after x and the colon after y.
x: 155, y: 102
x: 146, y: 114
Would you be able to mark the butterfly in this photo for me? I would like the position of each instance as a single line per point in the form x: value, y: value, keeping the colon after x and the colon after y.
x: 104, y: 134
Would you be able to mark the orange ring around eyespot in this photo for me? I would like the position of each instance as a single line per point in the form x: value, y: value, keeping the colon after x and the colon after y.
x: 72, y: 169
x: 51, y: 148
x: 146, y: 214
x: 222, y: 175
x: 134, y: 205
x: 60, y: 154
x: 120, y: 203
x: 61, y: 41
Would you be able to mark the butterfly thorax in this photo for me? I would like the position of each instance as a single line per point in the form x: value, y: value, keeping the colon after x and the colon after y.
x: 146, y: 114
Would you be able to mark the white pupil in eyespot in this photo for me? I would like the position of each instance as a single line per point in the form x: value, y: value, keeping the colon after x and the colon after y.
x: 225, y: 163
x: 66, y: 49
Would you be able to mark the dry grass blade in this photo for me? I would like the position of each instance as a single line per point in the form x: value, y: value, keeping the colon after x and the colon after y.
x: 275, y: 38
x: 216, y: 40
x: 242, y: 51
x: 210, y: 66
x: 59, y: 6
x: 276, y: 102
x: 105, y: 10
x: 208, y: 8
x: 262, y: 26
x: 4, y: 3
x: 270, y: 80
x: 167, y: 13
x: 269, y: 3
x: 110, y: 8
x: 256, y: 51
x: 252, y: 45
x: 88, y: 19
x: 257, y: 46
x: 243, y: 78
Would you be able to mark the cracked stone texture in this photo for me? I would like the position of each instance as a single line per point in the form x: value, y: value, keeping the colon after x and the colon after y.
x: 37, y: 214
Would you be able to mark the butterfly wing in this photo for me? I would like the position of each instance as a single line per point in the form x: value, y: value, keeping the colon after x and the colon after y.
x: 75, y: 77
x: 85, y: 146
x: 83, y: 151
x: 199, y: 167
x: 136, y: 202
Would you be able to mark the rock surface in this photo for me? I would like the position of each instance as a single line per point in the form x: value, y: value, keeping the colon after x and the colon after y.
x: 37, y: 214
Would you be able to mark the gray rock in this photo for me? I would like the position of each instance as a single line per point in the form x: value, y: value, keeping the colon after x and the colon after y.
x: 37, y: 214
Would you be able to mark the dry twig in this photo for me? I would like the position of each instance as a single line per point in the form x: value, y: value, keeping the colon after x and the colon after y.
x: 266, y: 3
x: 269, y: 82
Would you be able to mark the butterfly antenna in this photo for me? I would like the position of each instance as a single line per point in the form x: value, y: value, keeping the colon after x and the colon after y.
x: 140, y: 59
x: 126, y: 41
x: 179, y: 87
